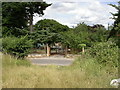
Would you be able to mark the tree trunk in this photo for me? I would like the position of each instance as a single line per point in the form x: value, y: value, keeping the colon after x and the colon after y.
x: 31, y: 23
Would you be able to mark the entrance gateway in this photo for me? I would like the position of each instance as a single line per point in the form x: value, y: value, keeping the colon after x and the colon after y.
x: 57, y: 48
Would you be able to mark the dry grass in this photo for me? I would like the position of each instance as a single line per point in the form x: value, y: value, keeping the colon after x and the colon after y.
x: 75, y: 76
x: 0, y: 64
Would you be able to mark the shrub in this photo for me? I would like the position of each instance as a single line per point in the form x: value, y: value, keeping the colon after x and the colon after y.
x: 19, y: 47
x: 105, y: 53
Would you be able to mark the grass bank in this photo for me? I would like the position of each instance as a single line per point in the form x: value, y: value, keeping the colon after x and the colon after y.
x: 83, y: 73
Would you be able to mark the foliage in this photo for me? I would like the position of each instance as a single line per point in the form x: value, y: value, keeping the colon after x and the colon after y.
x: 116, y: 16
x: 48, y: 31
x: 44, y: 37
x: 70, y: 39
x: 50, y: 25
x: 13, y: 15
x: 17, y: 15
x: 76, y: 36
x: 106, y: 53
x: 98, y: 34
x: 82, y: 45
x: 11, y: 20
x: 17, y: 32
x: 19, y: 47
x: 83, y: 34
x: 34, y: 8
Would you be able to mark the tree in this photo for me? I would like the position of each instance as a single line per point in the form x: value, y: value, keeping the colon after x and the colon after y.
x: 84, y: 34
x: 32, y: 8
x: 13, y: 16
x: 98, y: 33
x: 116, y: 26
x: 51, y: 25
x: 52, y: 28
x: 76, y: 36
x: 18, y: 47
x: 19, y: 15
x: 43, y: 37
x: 49, y: 32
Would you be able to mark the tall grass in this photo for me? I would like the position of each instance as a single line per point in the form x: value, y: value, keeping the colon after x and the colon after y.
x: 83, y: 73
x: 0, y: 70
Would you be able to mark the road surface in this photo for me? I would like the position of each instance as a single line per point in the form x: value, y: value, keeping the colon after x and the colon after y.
x: 51, y: 61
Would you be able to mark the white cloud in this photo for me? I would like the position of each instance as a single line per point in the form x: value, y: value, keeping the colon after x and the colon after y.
x: 71, y: 12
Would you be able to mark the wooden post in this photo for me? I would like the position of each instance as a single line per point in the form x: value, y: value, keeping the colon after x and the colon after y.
x: 83, y: 50
x: 48, y: 50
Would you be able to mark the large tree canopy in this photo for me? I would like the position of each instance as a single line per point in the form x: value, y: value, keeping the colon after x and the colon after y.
x: 20, y: 15
x: 51, y: 25
x: 48, y: 31
x: 13, y: 15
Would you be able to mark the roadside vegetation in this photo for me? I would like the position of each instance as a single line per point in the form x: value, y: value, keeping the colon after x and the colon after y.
x: 98, y: 48
x: 83, y: 73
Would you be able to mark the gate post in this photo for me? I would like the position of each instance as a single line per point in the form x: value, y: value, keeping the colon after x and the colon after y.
x: 48, y: 50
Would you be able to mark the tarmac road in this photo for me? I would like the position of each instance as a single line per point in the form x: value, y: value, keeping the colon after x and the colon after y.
x: 51, y: 61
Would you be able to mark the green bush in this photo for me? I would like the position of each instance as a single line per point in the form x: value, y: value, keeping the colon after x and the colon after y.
x: 19, y: 47
x: 105, y: 53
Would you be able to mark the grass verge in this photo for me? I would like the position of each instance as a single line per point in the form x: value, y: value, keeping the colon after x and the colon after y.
x: 83, y: 73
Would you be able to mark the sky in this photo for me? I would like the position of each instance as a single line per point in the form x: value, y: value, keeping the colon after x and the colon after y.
x: 73, y: 12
